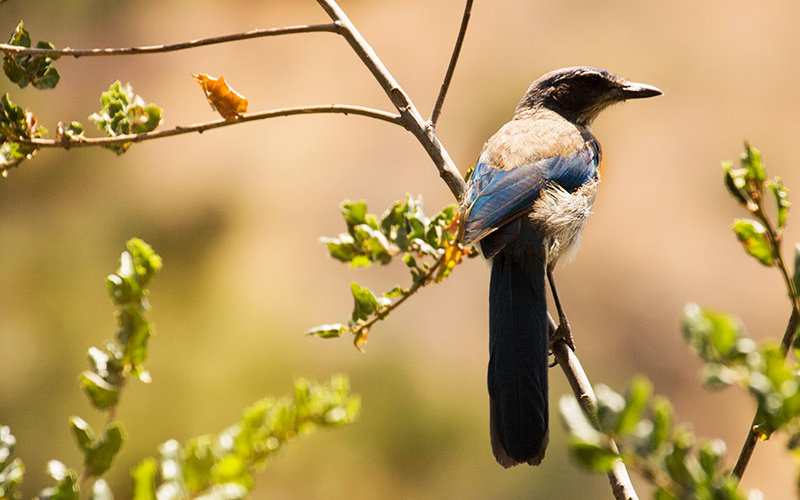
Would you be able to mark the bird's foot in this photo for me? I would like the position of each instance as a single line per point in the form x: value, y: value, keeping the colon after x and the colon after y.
x: 563, y: 332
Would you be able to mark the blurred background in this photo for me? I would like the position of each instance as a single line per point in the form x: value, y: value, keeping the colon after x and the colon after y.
x: 236, y: 215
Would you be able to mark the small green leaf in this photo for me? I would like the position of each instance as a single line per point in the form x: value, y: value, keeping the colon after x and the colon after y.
x: 596, y: 458
x: 23, y: 69
x: 715, y: 336
x: 365, y: 302
x: 354, y: 212
x: 144, y: 480
x: 781, y: 194
x: 662, y: 421
x: 735, y: 181
x: 83, y: 433
x: 754, y: 238
x: 328, y: 331
x: 635, y: 404
x: 99, y: 459
x: 66, y: 487
x: 102, y: 394
x: 751, y: 161
x: 124, y: 113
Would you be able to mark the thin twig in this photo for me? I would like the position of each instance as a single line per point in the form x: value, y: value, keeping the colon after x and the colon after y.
x: 153, y: 49
x: 448, y: 76
x: 752, y: 436
x: 202, y: 127
x: 412, y: 118
x: 621, y: 485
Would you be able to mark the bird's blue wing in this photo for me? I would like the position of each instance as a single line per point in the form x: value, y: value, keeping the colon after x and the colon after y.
x: 497, y: 196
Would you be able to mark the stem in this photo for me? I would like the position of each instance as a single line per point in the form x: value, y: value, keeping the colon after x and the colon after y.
x: 380, y: 315
x: 153, y: 49
x: 448, y: 76
x: 202, y: 127
x: 412, y: 119
x: 621, y: 485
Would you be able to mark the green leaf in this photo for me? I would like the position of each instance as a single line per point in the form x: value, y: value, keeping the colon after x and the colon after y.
x: 328, y: 331
x: 99, y: 458
x: 11, y: 472
x: 365, y: 302
x: 23, y: 69
x: 102, y: 394
x: 662, y: 421
x: 754, y: 238
x: 354, y: 212
x: 715, y: 336
x: 198, y: 461
x: 144, y: 480
x: 124, y: 113
x: 781, y: 194
x: 735, y: 181
x: 66, y: 487
x: 594, y: 457
x: 635, y: 404
x: 751, y: 162
x: 84, y: 435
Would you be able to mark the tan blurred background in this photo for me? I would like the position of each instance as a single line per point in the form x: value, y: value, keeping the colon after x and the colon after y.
x: 236, y: 215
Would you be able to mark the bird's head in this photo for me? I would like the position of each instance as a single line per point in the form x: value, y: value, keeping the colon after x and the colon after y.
x: 581, y: 93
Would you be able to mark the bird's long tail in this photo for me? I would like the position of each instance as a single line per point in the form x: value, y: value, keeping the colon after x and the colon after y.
x: 518, y: 364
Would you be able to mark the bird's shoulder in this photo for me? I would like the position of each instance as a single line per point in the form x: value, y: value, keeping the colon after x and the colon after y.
x: 529, y: 138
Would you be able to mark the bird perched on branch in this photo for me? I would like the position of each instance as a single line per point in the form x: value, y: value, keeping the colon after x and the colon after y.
x: 527, y: 201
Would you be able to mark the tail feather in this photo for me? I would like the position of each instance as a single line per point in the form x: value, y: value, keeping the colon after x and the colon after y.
x: 518, y: 365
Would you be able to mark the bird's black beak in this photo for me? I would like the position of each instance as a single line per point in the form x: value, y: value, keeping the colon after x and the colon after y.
x: 633, y: 90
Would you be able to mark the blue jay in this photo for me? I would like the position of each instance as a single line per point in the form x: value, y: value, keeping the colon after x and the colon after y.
x: 526, y: 203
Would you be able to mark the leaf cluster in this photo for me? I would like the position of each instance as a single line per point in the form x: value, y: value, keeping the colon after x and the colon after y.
x: 647, y: 440
x: 11, y: 470
x: 16, y: 123
x: 749, y: 184
x: 222, y: 466
x: 24, y: 69
x: 426, y: 245
x: 124, y: 113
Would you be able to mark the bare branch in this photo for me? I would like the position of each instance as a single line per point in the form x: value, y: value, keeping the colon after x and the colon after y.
x: 573, y: 371
x: 202, y: 127
x: 451, y: 68
x: 412, y: 119
x: 153, y: 49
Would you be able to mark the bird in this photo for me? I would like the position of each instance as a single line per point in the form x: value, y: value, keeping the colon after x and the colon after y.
x: 529, y: 197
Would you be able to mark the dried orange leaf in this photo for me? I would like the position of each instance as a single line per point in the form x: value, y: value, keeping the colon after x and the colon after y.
x: 223, y: 99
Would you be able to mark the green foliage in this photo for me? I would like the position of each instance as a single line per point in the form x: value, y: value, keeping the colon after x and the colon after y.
x: 11, y: 471
x: 222, y: 466
x: 670, y: 457
x: 427, y: 246
x: 98, y: 452
x: 125, y: 113
x: 23, y: 69
x: 16, y: 123
x: 66, y: 487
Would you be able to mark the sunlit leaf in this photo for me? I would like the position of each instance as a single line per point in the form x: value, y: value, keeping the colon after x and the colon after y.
x: 328, y: 331
x: 125, y: 113
x: 782, y: 203
x: 365, y: 302
x: 144, y: 480
x: 223, y: 99
x: 753, y: 237
x: 635, y: 404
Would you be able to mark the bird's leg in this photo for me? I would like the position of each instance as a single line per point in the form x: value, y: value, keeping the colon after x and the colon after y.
x: 563, y: 331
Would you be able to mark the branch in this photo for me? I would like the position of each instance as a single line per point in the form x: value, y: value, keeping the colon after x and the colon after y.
x: 202, y: 127
x: 412, y: 119
x: 153, y: 49
x: 448, y: 76
x: 753, y: 437
x: 621, y: 484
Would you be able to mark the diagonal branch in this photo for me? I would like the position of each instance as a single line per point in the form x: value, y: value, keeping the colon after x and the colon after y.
x: 202, y: 127
x: 154, y: 49
x: 412, y: 119
x: 621, y: 485
x: 451, y: 68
